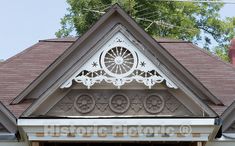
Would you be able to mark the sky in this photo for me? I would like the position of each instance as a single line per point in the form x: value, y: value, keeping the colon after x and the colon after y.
x: 24, y: 22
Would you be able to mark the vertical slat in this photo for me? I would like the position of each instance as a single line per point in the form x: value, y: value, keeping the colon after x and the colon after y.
x: 199, y: 143
x: 35, y: 143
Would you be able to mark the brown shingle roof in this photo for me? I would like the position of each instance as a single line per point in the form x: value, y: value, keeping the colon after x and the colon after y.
x: 19, y: 71
x: 67, y: 39
x: 214, y: 74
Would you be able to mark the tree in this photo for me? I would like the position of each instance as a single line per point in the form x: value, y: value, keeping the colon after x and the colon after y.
x: 191, y: 21
x: 222, y: 53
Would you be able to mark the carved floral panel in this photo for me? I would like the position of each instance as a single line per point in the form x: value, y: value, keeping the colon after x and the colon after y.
x: 118, y: 103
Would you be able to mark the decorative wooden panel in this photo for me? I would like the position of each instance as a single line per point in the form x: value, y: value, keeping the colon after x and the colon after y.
x: 118, y: 103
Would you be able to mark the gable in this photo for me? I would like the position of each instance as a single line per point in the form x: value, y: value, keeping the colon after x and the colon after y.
x: 116, y: 16
x: 143, y: 75
x: 47, y: 86
x: 119, y: 62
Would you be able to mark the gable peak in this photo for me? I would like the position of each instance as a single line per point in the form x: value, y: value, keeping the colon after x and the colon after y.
x: 119, y: 61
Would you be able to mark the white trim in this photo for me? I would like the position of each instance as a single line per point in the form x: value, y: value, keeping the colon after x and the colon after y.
x: 95, y: 70
x: 37, y: 129
x: 226, y: 137
x: 107, y: 122
x: 7, y: 137
x: 32, y: 137
x: 7, y: 134
x: 13, y: 143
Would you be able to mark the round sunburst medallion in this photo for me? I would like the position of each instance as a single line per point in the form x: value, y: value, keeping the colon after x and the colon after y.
x: 119, y: 61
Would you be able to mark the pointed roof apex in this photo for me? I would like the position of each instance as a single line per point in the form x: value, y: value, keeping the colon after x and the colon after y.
x: 115, y: 15
x: 116, y: 5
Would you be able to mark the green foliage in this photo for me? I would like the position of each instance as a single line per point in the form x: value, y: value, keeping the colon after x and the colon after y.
x: 222, y: 53
x: 196, y: 22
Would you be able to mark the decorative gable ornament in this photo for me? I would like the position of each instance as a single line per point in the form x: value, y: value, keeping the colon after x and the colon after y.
x: 118, y: 62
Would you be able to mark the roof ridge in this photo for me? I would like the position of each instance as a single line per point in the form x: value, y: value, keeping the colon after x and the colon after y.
x: 54, y: 41
x: 169, y: 40
x: 73, y: 39
x: 64, y: 39
x: 18, y: 54
x: 172, y: 41
x: 29, y: 49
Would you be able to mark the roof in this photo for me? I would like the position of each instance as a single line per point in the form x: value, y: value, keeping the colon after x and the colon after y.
x: 50, y: 79
x: 216, y: 75
x: 19, y: 71
x: 63, y: 40
x: 203, y: 73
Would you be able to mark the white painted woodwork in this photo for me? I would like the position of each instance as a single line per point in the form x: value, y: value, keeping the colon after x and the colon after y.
x: 119, y: 62
x: 34, y: 129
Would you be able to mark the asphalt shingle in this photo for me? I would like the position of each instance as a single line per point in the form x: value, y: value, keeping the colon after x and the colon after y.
x: 19, y: 71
